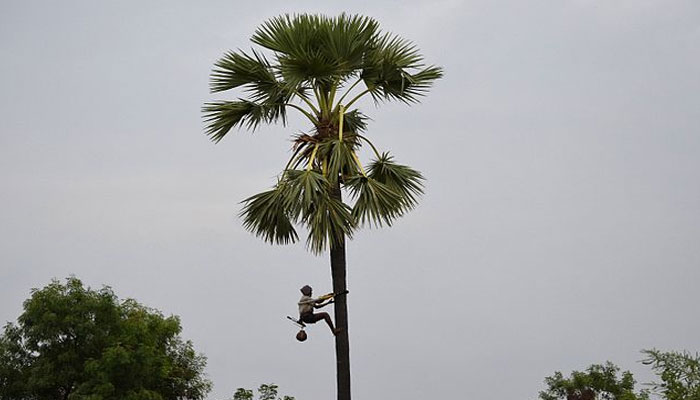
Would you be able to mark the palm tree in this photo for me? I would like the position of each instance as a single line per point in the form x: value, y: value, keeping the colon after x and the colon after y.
x: 320, y: 67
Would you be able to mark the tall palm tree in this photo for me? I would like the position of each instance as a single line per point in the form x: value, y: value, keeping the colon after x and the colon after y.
x: 320, y: 67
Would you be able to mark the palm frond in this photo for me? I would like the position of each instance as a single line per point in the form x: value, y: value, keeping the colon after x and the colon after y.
x: 286, y: 34
x: 345, y: 38
x: 296, y: 43
x: 240, y: 69
x: 418, y: 84
x: 388, y: 67
x: 307, y: 198
x: 267, y: 216
x: 221, y: 116
x: 338, y: 154
x: 354, y: 121
x: 303, y: 189
x: 392, y: 51
x: 257, y: 77
x: 329, y: 222
x: 401, y: 179
x: 315, y: 46
x: 376, y: 204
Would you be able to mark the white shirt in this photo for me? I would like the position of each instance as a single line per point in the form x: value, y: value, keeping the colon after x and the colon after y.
x: 306, y: 304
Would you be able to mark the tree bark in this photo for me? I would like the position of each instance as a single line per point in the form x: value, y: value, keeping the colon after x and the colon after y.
x: 342, y: 342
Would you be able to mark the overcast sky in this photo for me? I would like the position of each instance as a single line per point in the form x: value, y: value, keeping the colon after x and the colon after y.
x: 560, y: 226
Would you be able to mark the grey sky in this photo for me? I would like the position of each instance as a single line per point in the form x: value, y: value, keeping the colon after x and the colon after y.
x: 560, y: 226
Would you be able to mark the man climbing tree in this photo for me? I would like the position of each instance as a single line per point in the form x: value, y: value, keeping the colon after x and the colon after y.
x: 307, y: 305
x: 321, y: 67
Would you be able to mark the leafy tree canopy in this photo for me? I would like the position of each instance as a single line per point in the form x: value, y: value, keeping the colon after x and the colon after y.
x: 679, y: 373
x: 75, y: 343
x: 265, y: 392
x: 597, y: 382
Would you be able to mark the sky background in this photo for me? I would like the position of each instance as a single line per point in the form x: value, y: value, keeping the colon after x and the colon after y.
x: 560, y: 225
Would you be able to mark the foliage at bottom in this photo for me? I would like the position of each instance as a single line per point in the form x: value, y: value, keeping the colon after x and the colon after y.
x: 265, y: 392
x: 75, y: 343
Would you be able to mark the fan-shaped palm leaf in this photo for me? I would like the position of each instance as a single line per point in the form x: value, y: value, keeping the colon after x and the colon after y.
x: 267, y: 216
x: 329, y: 222
x: 221, y: 116
x: 302, y: 190
x: 387, y: 70
x: 401, y: 179
x: 354, y: 121
x: 375, y: 202
x: 346, y: 39
x: 307, y: 198
x: 240, y: 69
x: 340, y: 161
x: 317, y: 47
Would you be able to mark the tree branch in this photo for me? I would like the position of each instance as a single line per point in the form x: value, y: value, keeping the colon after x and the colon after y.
x: 347, y: 92
x: 309, y: 116
x: 357, y: 98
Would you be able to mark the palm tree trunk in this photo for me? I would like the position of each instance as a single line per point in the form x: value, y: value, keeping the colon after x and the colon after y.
x: 342, y: 342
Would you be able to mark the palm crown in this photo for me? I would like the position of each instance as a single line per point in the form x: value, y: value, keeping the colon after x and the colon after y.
x: 320, y: 67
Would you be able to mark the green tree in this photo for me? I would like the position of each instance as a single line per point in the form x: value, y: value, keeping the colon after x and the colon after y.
x: 320, y: 67
x: 679, y: 373
x: 74, y: 343
x: 265, y: 392
x: 597, y: 382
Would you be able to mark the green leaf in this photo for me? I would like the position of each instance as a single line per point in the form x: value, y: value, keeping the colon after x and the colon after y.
x: 354, y: 122
x: 679, y: 373
x: 388, y: 67
x: 401, y: 179
x: 329, y: 222
x: 317, y: 47
x: 376, y: 204
x: 339, y: 157
x: 301, y: 190
x: 240, y: 69
x: 222, y: 116
x: 267, y: 215
x: 308, y: 198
